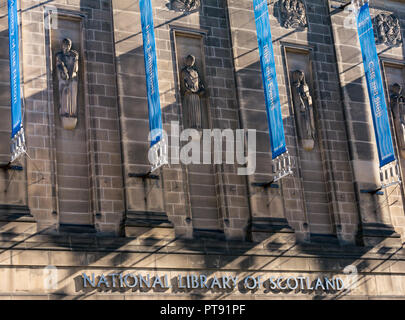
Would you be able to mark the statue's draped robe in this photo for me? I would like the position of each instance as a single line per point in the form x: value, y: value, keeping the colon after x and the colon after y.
x: 67, y: 64
x: 398, y: 112
x: 304, y: 111
x: 193, y: 88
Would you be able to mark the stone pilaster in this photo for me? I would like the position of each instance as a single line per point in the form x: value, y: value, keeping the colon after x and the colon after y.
x: 375, y: 222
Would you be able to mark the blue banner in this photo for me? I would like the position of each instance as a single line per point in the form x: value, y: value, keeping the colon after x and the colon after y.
x: 274, y: 118
x: 152, y: 85
x: 375, y: 86
x: 15, y: 84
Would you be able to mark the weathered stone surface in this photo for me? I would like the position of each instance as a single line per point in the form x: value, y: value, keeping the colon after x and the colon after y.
x: 204, y: 218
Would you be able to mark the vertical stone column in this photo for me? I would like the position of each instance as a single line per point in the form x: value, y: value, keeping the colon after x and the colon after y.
x: 100, y: 114
x: 269, y: 206
x: 14, y: 211
x: 104, y: 132
x: 170, y: 197
x: 394, y: 73
x: 40, y: 178
x: 145, y: 202
x: 375, y: 225
x: 332, y: 133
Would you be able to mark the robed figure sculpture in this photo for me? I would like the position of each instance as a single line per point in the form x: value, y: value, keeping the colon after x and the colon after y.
x: 304, y: 112
x: 193, y: 89
x: 398, y: 115
x: 67, y: 67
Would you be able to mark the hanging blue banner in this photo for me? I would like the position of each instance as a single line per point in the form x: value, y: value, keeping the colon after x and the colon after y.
x: 375, y: 86
x: 15, y: 86
x: 17, y: 132
x: 274, y: 118
x: 151, y: 71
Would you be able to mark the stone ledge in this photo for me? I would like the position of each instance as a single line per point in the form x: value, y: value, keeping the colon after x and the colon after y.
x: 324, y: 239
x: 379, y: 234
x: 103, y: 245
x: 18, y: 213
x: 73, y: 228
x: 272, y: 225
x: 212, y: 235
x: 147, y: 219
x: 38, y: 258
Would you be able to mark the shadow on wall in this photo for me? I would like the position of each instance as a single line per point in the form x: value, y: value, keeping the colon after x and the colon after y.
x: 205, y: 254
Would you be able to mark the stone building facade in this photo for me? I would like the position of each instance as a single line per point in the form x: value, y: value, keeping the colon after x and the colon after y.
x: 80, y: 203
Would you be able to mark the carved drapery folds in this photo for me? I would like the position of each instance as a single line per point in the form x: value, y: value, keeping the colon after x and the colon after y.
x: 293, y: 14
x: 193, y: 90
x: 67, y: 68
x: 397, y: 101
x: 184, y: 5
x: 388, y: 29
x: 304, y: 113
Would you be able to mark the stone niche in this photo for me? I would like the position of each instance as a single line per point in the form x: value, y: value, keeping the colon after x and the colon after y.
x: 202, y: 179
x: 394, y: 73
x: 192, y: 44
x: 395, y: 91
x: 310, y: 162
x: 70, y: 146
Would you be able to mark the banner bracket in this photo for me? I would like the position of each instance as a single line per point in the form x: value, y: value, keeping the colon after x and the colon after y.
x: 269, y: 184
x: 282, y: 166
x: 6, y: 166
x: 144, y: 176
x: 158, y: 154
x: 18, y: 146
x: 379, y: 190
x: 376, y: 191
x: 390, y: 175
x: 9, y: 166
x: 342, y: 6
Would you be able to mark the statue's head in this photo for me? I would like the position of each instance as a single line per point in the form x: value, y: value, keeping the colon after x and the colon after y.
x: 66, y: 45
x: 190, y: 60
x: 298, y: 76
x: 396, y: 88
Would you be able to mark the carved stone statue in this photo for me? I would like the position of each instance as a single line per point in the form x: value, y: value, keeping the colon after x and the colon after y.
x: 184, y: 5
x: 397, y: 102
x: 293, y: 13
x: 193, y: 90
x: 388, y: 29
x: 304, y: 112
x: 67, y: 67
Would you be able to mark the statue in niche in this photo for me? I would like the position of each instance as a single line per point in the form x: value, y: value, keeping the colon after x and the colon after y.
x: 293, y: 14
x: 388, y: 29
x: 67, y: 67
x: 304, y: 112
x: 193, y: 90
x: 184, y: 5
x: 397, y: 101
